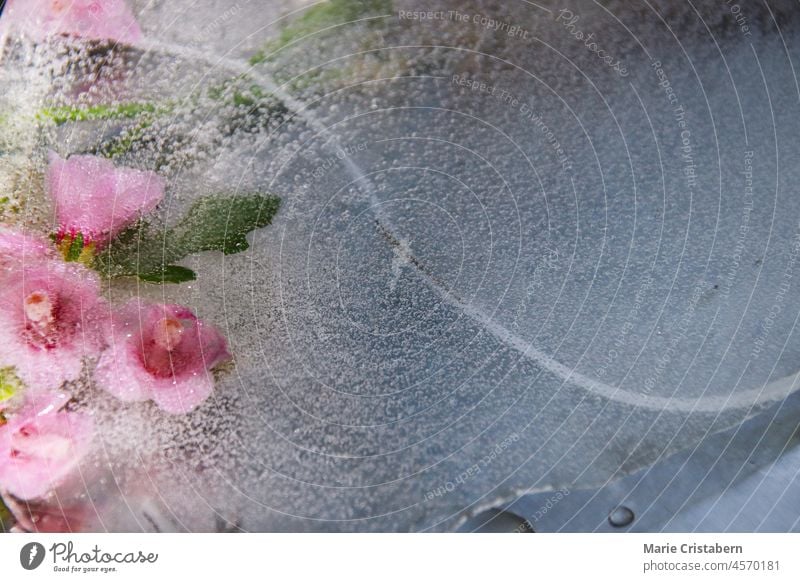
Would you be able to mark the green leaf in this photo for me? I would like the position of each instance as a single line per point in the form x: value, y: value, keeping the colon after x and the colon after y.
x: 10, y: 384
x: 6, y: 518
x: 138, y: 249
x: 75, y: 248
x: 124, y: 142
x: 63, y: 114
x: 213, y: 223
x: 169, y: 274
x: 221, y: 224
x: 319, y: 17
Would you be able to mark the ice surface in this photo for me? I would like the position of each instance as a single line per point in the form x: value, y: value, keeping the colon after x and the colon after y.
x: 468, y: 293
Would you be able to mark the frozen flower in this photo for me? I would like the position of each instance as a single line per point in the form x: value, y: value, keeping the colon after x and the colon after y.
x: 11, y: 388
x: 18, y: 249
x: 95, y: 199
x: 50, y: 318
x: 47, y: 516
x: 92, y: 19
x: 40, y: 446
x: 160, y: 352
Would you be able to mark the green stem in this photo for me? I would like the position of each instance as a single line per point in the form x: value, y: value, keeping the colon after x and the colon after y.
x: 6, y: 517
x: 63, y: 114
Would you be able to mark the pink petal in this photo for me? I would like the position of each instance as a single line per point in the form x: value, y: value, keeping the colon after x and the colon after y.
x: 41, y: 370
x: 97, y: 199
x: 37, y: 452
x: 18, y: 249
x: 41, y: 403
x: 49, y: 517
x: 46, y: 362
x: 182, y: 396
x: 92, y: 19
x: 120, y: 374
x: 168, y: 364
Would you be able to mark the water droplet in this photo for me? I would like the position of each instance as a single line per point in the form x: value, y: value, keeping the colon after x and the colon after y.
x: 621, y: 516
x: 496, y: 521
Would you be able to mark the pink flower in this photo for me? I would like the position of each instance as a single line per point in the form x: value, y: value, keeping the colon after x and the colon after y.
x: 50, y: 318
x: 97, y: 199
x: 40, y: 446
x: 48, y: 516
x: 18, y: 249
x: 160, y: 352
x: 93, y: 19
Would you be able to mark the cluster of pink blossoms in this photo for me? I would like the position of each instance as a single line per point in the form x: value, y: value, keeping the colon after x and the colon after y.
x: 96, y: 19
x: 55, y: 325
x: 53, y: 321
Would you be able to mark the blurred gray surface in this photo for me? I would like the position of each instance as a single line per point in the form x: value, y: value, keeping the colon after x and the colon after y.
x: 742, y: 480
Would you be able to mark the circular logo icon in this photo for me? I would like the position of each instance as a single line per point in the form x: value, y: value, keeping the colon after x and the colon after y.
x: 31, y: 555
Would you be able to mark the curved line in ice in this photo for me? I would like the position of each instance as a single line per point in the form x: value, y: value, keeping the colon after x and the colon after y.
x: 769, y: 392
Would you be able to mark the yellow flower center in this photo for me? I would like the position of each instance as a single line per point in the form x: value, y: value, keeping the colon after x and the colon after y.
x: 168, y: 333
x: 57, y: 6
x: 39, y: 308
